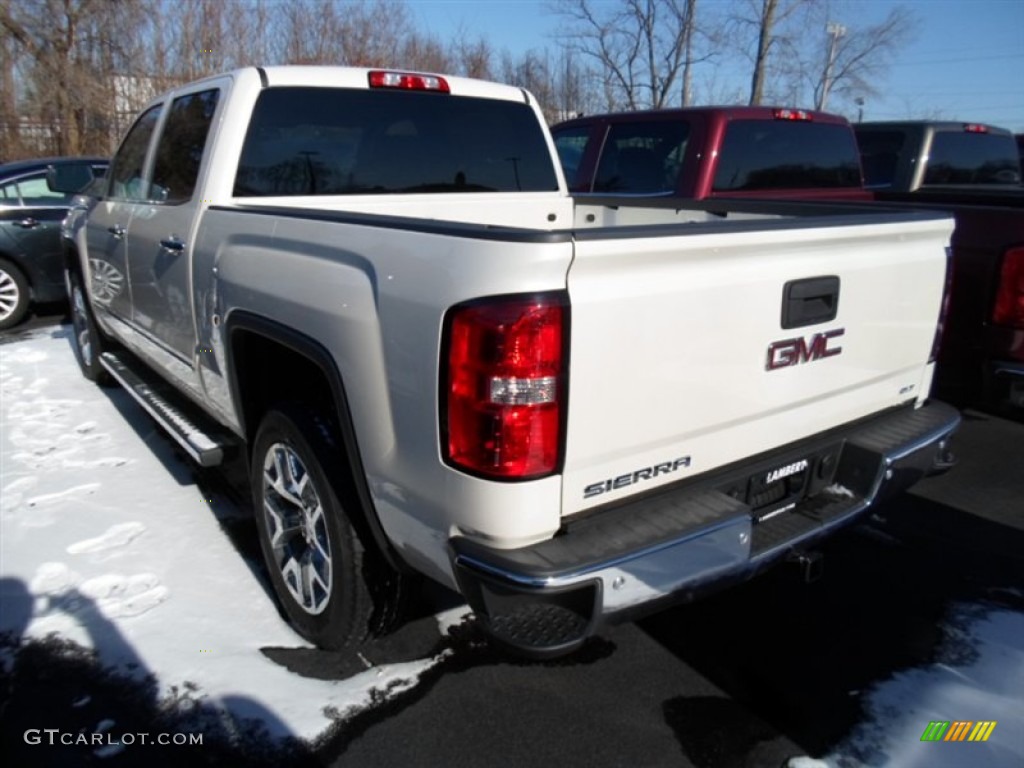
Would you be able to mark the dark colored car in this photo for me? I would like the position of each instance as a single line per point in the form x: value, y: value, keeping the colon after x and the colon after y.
x: 31, y: 213
x: 1020, y: 151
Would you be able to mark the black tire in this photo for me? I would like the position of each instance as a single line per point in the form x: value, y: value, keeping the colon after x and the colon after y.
x: 14, y: 295
x: 334, y: 587
x: 86, y: 338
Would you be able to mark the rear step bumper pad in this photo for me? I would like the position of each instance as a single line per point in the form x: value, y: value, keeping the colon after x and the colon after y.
x: 547, y: 598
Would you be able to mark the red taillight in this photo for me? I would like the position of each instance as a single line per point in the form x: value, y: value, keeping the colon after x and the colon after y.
x: 791, y: 114
x: 1009, y: 306
x: 504, y: 386
x: 975, y: 128
x: 408, y: 81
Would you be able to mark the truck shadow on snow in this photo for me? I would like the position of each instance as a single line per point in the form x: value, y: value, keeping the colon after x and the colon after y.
x: 65, y: 704
x: 798, y: 659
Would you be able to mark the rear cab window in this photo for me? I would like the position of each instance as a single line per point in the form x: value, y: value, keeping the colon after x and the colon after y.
x: 335, y: 141
x: 972, y: 157
x: 786, y: 154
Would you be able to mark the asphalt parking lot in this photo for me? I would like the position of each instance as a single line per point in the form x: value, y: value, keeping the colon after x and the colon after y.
x: 770, y: 673
x: 754, y: 676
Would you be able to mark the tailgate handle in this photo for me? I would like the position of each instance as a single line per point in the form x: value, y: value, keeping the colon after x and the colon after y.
x: 810, y: 301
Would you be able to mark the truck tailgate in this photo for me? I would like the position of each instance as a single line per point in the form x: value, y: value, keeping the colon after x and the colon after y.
x: 680, y: 361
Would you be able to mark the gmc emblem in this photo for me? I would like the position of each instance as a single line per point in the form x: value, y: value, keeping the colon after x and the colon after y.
x: 782, y: 354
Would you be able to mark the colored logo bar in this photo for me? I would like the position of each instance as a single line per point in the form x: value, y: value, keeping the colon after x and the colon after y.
x: 958, y: 730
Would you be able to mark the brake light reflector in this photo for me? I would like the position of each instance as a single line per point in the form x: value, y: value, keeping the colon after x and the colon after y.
x: 975, y: 128
x: 791, y: 114
x: 408, y: 81
x: 503, y: 387
x: 1009, y: 306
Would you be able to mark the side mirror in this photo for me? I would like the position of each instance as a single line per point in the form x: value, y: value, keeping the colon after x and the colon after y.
x: 94, y: 188
x: 69, y: 178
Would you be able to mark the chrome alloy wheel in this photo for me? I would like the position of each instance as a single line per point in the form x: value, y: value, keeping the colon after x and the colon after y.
x: 80, y: 321
x: 297, y: 528
x: 10, y: 295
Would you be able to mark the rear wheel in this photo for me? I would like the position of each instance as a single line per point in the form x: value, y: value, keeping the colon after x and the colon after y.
x: 333, y: 587
x: 14, y: 295
x: 88, y: 343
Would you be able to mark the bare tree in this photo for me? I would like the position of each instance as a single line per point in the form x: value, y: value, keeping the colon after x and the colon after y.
x: 803, y: 51
x: 199, y: 32
x: 571, y: 96
x: 424, y: 53
x: 857, y: 56
x: 48, y: 32
x: 10, y: 128
x: 310, y: 32
x: 640, y: 46
x: 765, y: 38
x: 531, y: 71
x: 557, y: 82
x: 689, y: 30
x: 73, y: 73
x: 372, y: 31
x: 769, y: 26
x: 360, y: 33
x: 248, y: 29
x: 61, y: 57
x: 471, y: 58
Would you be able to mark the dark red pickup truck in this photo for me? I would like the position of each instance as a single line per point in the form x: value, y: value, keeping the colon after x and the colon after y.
x: 712, y: 152
x: 971, y: 171
x: 706, y: 153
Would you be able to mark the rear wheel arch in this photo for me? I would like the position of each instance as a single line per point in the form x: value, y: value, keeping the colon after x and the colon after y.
x: 260, y: 351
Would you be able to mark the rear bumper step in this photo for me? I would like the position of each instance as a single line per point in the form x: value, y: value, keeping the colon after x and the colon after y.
x: 546, y: 599
x: 181, y: 420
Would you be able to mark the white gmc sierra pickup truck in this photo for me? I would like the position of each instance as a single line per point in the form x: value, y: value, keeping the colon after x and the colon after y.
x: 375, y: 287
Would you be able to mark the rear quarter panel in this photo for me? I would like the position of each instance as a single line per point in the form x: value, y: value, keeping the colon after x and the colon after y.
x: 375, y: 297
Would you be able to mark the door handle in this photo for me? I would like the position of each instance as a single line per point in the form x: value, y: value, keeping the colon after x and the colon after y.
x: 27, y: 223
x: 810, y: 301
x: 116, y: 230
x: 172, y: 243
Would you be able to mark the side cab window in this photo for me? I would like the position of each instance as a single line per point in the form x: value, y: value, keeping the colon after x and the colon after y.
x: 179, y: 152
x: 642, y: 158
x: 127, y: 179
x: 571, y: 143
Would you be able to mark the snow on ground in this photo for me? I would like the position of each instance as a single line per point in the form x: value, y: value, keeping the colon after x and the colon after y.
x: 108, y: 541
x: 979, y: 677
